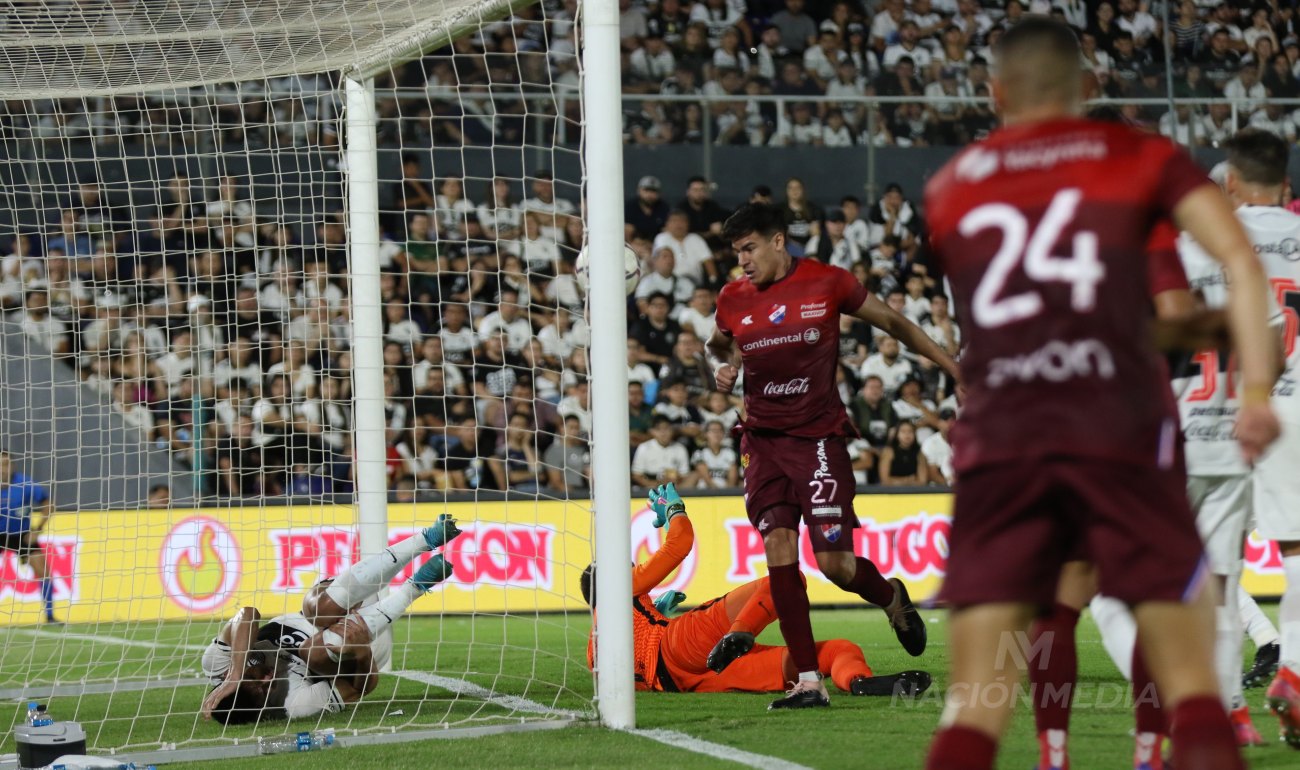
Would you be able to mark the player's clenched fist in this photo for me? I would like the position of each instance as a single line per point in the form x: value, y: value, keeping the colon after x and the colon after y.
x: 725, y: 378
x: 1257, y: 427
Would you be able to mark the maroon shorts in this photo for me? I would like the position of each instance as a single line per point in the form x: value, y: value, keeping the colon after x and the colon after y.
x: 788, y: 479
x: 1015, y: 524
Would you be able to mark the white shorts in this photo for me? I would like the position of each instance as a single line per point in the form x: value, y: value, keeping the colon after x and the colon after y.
x: 1222, y: 505
x: 1277, y: 487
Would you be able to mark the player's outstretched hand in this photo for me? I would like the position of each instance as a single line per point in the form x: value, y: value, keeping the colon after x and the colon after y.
x: 1257, y: 427
x: 668, y: 601
x: 217, y: 695
x: 725, y: 378
x: 666, y: 503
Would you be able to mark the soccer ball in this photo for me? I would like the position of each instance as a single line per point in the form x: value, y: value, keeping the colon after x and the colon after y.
x: 631, y: 269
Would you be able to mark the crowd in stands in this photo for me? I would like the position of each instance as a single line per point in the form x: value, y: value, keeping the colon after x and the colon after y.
x: 227, y: 337
x: 224, y: 332
x: 811, y: 53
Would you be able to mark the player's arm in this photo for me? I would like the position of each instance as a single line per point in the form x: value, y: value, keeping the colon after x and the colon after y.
x: 240, y: 633
x: 668, y: 507
x: 893, y: 323
x: 41, y: 516
x: 1207, y: 215
x: 725, y: 359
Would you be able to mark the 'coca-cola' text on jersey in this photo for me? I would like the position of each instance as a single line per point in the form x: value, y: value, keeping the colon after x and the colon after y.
x: 1043, y: 230
x: 788, y: 333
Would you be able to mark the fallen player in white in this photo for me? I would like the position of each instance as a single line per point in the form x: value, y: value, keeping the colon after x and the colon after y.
x: 330, y: 654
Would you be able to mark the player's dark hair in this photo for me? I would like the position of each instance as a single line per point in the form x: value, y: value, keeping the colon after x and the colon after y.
x: 588, y: 584
x: 753, y: 218
x: 1258, y: 156
x: 242, y: 708
x: 1038, y: 32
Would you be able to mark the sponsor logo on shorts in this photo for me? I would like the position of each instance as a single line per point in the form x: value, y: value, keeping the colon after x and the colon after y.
x: 831, y: 532
x: 777, y: 315
x: 1287, y: 248
x: 811, y: 336
x: 827, y: 510
x: 744, y: 463
x: 795, y: 387
x: 764, y: 524
x: 823, y: 466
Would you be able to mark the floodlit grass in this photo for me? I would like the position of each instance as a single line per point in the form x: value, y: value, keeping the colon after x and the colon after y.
x: 502, y: 655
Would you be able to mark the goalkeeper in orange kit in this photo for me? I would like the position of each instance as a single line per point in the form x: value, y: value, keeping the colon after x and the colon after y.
x: 711, y: 647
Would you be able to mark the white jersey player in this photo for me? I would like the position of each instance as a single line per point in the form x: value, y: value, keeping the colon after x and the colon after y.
x: 329, y: 655
x: 1257, y: 163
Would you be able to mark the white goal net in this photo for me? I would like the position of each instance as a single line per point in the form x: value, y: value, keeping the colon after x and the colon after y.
x: 187, y: 362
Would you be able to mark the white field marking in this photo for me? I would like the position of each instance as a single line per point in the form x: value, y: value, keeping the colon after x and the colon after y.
x: 717, y: 750
x: 463, y: 687
x: 666, y: 737
x: 512, y: 702
x: 115, y: 641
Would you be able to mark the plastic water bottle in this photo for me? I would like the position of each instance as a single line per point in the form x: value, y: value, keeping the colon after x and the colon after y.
x: 288, y: 744
x: 37, y: 716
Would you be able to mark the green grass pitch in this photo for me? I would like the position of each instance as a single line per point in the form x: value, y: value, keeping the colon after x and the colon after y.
x: 498, y: 654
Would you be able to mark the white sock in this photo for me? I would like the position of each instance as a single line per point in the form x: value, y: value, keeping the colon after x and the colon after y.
x: 1261, y: 629
x: 382, y: 613
x: 1289, y: 611
x: 373, y: 573
x: 1118, y: 631
x: 810, y: 676
x: 1227, y: 650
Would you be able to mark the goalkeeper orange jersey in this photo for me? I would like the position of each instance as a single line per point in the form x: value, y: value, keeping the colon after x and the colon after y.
x: 648, y: 624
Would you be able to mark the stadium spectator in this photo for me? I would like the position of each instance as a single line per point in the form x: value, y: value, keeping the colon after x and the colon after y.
x: 831, y: 245
x: 1246, y: 90
x: 802, y: 216
x: 901, y: 461
x: 938, y: 452
x: 661, y: 459
x: 653, y: 62
x: 798, y: 30
x: 655, y: 331
x: 769, y: 53
x: 885, y: 25
x: 510, y: 320
x: 640, y: 414
x: 669, y: 23
x: 646, y: 213
x: 888, y: 364
x: 705, y: 215
x: 715, y: 463
x: 909, y: 45
x: 40, y: 326
x: 568, y: 460
x: 698, y: 315
x: 688, y: 366
x: 693, y: 260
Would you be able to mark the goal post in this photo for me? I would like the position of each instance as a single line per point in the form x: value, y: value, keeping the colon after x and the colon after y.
x: 608, y: 308
x: 213, y: 251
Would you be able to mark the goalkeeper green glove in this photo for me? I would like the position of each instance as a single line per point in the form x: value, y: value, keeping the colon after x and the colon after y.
x: 666, y: 503
x: 668, y: 602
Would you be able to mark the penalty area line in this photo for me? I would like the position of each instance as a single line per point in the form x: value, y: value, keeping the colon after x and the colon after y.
x: 115, y: 641
x: 717, y: 750
x: 666, y: 737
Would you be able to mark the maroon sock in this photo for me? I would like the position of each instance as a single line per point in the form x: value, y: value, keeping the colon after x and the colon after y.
x: 961, y: 748
x: 1053, y: 670
x: 1148, y: 714
x: 791, y: 600
x: 1202, y: 736
x: 868, y: 583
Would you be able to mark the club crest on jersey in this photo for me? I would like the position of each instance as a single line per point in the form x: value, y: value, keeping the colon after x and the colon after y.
x: 831, y: 532
x: 777, y: 315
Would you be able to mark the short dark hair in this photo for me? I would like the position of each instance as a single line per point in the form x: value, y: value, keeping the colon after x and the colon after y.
x: 695, y: 179
x: 660, y: 419
x: 242, y: 708
x: 659, y: 295
x: 1258, y: 156
x: 761, y: 218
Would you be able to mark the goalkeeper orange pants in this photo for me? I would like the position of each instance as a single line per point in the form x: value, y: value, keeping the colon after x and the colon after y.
x: 686, y: 643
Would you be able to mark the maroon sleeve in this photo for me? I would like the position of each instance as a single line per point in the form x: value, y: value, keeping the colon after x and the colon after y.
x: 1178, y: 176
x: 719, y: 317
x: 1164, y: 268
x: 849, y: 294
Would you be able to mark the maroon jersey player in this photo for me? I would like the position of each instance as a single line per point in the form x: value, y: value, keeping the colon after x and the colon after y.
x: 1042, y: 231
x: 781, y: 323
